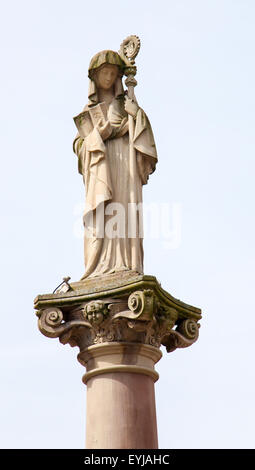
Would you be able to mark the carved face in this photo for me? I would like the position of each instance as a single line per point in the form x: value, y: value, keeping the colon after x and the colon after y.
x: 95, y: 312
x: 95, y: 317
x: 106, y: 76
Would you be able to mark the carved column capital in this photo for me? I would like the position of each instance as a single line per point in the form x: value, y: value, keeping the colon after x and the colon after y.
x: 131, y: 309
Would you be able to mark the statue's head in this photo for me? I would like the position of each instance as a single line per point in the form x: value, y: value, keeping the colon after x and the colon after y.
x: 105, y: 70
x: 105, y: 76
x: 103, y: 58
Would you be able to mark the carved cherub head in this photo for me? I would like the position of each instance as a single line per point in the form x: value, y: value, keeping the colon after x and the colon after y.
x: 95, y: 312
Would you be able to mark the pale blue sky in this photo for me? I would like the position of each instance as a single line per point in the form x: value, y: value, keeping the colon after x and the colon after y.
x: 196, y: 78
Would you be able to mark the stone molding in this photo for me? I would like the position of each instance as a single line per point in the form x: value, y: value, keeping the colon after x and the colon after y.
x: 119, y: 357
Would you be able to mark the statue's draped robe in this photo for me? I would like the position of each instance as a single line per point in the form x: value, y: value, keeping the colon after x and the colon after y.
x: 105, y: 169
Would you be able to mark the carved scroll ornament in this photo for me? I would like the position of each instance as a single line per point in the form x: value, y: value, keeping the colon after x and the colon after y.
x: 140, y: 318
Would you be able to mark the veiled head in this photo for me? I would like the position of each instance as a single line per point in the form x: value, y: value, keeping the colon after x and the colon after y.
x: 105, y: 71
x: 105, y: 57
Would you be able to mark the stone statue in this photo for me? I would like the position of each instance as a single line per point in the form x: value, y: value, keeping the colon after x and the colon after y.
x: 111, y: 127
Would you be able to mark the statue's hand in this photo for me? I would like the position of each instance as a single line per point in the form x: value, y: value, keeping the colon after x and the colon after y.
x: 105, y: 130
x: 131, y: 107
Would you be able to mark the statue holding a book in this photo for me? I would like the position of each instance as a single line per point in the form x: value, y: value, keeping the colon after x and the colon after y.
x: 110, y: 128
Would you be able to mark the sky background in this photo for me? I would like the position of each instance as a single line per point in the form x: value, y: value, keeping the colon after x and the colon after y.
x: 196, y: 77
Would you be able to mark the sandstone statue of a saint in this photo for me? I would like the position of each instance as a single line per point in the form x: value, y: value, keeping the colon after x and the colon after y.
x: 103, y: 149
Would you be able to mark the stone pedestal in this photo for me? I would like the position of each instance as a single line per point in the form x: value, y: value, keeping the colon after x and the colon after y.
x: 119, y: 323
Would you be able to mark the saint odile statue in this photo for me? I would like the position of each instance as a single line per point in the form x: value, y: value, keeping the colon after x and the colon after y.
x: 116, y: 154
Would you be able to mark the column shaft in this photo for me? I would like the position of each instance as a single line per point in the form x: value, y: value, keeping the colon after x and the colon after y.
x: 121, y: 412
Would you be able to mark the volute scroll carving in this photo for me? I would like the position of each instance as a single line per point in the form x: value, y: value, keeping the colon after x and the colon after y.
x: 51, y: 322
x: 185, y: 334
